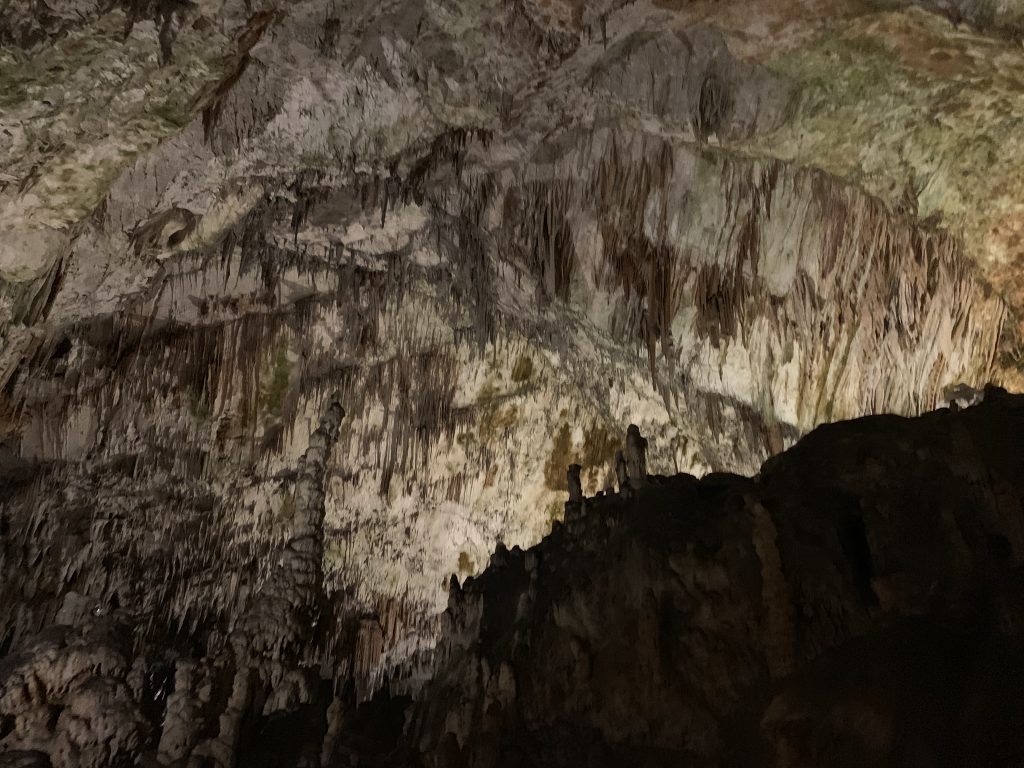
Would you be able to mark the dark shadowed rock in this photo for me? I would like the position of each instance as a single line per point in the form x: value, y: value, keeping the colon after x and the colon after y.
x: 860, y: 602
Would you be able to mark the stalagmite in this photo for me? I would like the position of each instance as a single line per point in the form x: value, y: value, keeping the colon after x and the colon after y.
x: 636, y: 457
x: 181, y: 724
x: 336, y: 713
x: 621, y: 471
x: 575, y: 505
x: 575, y: 486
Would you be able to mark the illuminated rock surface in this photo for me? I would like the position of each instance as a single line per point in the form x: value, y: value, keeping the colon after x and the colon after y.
x: 496, y: 232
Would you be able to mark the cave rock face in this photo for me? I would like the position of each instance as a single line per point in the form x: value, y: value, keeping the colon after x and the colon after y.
x: 492, y: 233
x: 859, y: 602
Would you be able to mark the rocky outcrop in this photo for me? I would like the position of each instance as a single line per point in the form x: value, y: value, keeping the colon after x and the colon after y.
x: 858, y: 602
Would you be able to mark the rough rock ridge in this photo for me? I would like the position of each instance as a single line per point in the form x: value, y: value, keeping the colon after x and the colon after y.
x: 859, y: 602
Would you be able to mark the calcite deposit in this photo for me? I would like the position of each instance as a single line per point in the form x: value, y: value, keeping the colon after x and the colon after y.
x: 858, y: 602
x: 493, y: 234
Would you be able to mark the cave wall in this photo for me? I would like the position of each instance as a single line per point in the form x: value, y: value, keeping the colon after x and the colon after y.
x: 495, y: 232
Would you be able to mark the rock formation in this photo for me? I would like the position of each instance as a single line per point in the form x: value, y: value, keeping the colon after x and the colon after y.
x: 496, y: 231
x: 859, y: 602
x: 636, y: 457
x: 78, y: 690
x: 838, y: 608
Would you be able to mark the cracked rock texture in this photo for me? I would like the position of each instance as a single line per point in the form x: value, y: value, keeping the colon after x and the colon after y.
x: 494, y: 232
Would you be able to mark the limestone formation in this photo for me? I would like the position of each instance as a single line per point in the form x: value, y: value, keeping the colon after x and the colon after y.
x: 962, y: 396
x: 575, y: 487
x: 858, y: 603
x: 181, y: 721
x: 497, y: 231
x: 621, y: 470
x: 65, y: 695
x: 636, y: 457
